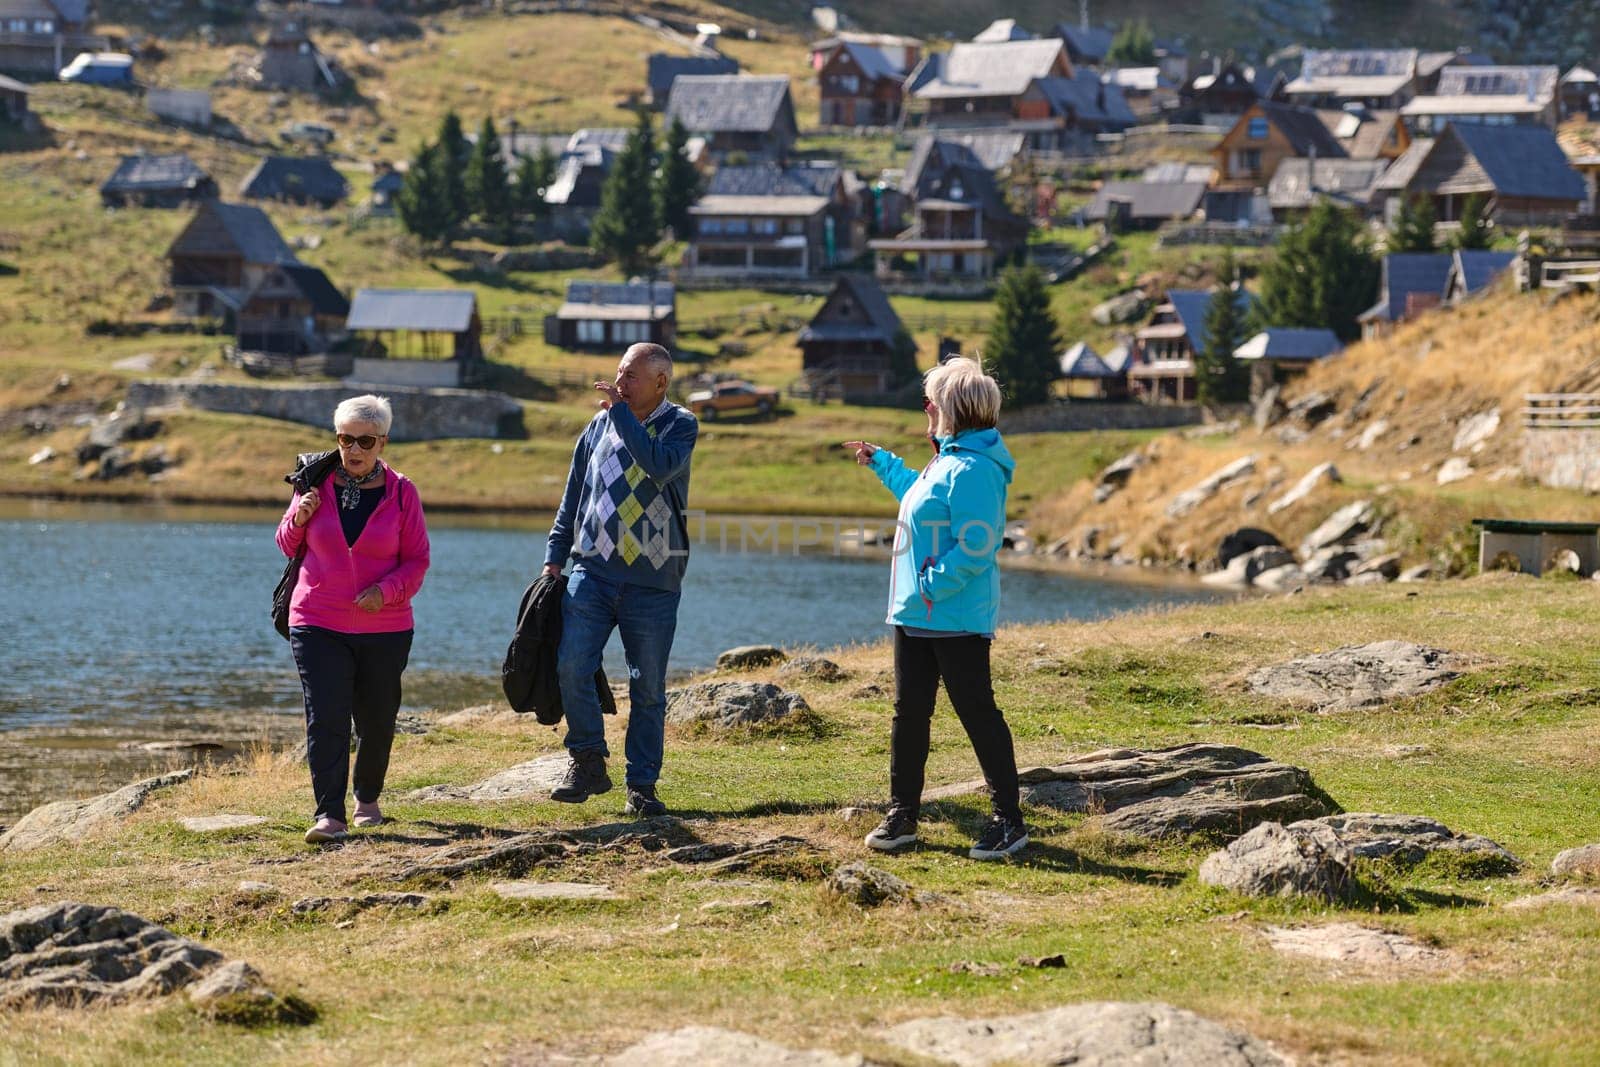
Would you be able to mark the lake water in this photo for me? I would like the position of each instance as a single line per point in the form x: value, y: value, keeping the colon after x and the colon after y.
x: 125, y: 615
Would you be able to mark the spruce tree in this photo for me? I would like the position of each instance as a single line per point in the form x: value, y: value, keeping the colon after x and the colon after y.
x: 1413, y: 226
x: 1322, y: 274
x: 1219, y: 378
x: 1024, y: 343
x: 457, y: 151
x: 1477, y: 229
x: 534, y: 175
x: 677, y: 183
x: 487, y: 187
x: 423, y: 201
x: 626, y: 228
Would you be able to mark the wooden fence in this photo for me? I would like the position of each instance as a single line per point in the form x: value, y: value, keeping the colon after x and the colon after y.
x: 1561, y: 411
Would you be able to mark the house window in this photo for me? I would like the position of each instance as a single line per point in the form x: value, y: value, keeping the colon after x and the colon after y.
x: 17, y: 25
x: 765, y: 227
x: 737, y: 226
x: 1247, y: 161
x: 591, y: 332
x: 710, y: 226
x: 794, y: 226
x: 630, y: 332
x: 1257, y: 130
x: 847, y: 83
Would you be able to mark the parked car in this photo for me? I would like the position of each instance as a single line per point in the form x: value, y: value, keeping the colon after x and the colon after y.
x: 99, y: 68
x: 722, y: 397
x: 312, y: 133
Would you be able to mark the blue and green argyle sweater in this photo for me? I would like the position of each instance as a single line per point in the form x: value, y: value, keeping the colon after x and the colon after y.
x: 622, y: 514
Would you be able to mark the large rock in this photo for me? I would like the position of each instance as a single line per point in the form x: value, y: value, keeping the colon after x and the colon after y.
x: 1243, y: 541
x: 71, y: 954
x: 1330, y: 564
x: 750, y: 657
x: 1369, y: 436
x: 868, y: 886
x: 1340, y: 528
x: 1116, y: 476
x: 1455, y: 469
x: 710, y: 1046
x: 1316, y: 476
x: 1313, y: 409
x: 1210, y: 486
x: 813, y: 669
x: 1091, y: 1034
x: 532, y: 780
x: 1357, y: 676
x: 71, y: 820
x: 1120, y: 309
x: 732, y: 703
x: 1300, y: 860
x: 1410, y: 839
x: 1580, y: 862
x: 1280, y: 579
x: 236, y: 993
x: 1268, y: 409
x: 1354, y: 944
x: 1475, y: 429
x: 1189, y: 789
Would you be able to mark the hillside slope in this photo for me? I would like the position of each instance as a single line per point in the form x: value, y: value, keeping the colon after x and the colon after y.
x: 1399, y: 405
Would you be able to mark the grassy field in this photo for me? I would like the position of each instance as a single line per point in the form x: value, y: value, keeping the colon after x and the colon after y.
x: 1508, y: 751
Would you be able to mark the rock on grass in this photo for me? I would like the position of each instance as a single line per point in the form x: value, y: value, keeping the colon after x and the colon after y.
x: 1360, y: 946
x: 869, y: 887
x: 235, y: 993
x: 749, y: 657
x: 729, y: 704
x: 1412, y: 839
x: 1302, y: 860
x: 710, y: 1046
x: 1580, y: 862
x: 71, y: 820
x: 1357, y: 676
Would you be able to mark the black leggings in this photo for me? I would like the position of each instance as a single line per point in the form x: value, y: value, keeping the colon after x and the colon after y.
x: 963, y: 663
x: 349, y: 678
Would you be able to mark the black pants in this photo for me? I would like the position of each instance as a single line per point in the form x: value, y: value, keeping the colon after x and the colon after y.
x: 963, y: 663
x: 348, y: 678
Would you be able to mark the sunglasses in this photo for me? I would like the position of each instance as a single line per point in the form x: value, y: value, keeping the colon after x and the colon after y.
x: 367, y: 441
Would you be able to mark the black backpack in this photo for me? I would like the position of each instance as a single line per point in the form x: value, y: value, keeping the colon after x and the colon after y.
x: 310, y: 469
x: 528, y: 673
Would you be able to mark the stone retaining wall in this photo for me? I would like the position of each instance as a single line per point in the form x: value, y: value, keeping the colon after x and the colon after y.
x: 1059, y: 418
x: 1562, y: 459
x: 419, y: 414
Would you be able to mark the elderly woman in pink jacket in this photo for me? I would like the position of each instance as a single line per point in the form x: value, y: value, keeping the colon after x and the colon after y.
x: 366, y: 550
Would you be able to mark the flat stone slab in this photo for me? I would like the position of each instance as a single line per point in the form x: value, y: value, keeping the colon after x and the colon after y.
x: 1357, y: 945
x: 1580, y: 862
x: 552, y: 891
x: 1306, y: 859
x: 216, y: 824
x: 71, y: 820
x: 1357, y: 676
x: 72, y: 954
x: 1187, y: 789
x: 727, y: 704
x: 311, y: 905
x: 1090, y: 1034
x: 1410, y: 839
x: 710, y: 1046
x: 1580, y: 896
x: 532, y: 780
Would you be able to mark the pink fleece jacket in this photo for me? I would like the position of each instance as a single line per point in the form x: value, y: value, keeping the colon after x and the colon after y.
x: 391, y: 553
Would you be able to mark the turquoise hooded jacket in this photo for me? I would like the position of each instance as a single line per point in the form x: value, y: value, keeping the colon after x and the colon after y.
x: 952, y: 518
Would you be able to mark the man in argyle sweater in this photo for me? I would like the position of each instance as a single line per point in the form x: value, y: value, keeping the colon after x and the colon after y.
x: 622, y: 524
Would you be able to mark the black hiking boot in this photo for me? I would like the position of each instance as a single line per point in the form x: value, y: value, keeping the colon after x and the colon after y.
x: 586, y: 777
x: 1006, y: 835
x: 643, y: 802
x: 897, y: 830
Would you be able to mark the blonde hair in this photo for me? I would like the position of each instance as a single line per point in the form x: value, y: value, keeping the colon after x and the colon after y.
x: 964, y: 396
x: 367, y: 408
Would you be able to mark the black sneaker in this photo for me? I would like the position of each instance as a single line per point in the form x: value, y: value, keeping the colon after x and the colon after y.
x: 586, y: 777
x: 643, y: 802
x: 897, y: 830
x: 1006, y: 835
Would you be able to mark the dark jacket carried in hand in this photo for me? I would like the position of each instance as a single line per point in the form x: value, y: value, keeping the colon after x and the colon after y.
x: 528, y: 674
x: 310, y: 468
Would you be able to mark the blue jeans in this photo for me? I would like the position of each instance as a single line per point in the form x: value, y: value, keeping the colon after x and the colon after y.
x: 646, y: 618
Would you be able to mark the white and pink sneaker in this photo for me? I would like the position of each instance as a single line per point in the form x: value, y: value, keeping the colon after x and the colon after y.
x: 325, y: 830
x: 368, y: 815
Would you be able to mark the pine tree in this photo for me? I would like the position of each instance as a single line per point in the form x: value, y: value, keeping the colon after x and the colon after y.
x: 1133, y: 46
x: 677, y: 183
x: 1477, y: 229
x: 1413, y: 226
x: 423, y: 201
x: 626, y: 228
x: 487, y: 187
x: 457, y: 151
x: 1219, y: 378
x: 1024, y: 342
x: 1322, y: 274
x: 534, y: 175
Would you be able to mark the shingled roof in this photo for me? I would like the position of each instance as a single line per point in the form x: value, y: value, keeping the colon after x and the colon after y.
x: 630, y: 301
x: 319, y: 289
x: 661, y: 70
x: 1405, y: 273
x: 1520, y: 161
x: 883, y: 325
x: 940, y: 168
x: 771, y: 179
x: 1297, y: 344
x: 1191, y: 305
x: 247, y: 229
x: 1355, y: 72
x: 730, y: 103
x: 295, y: 178
x: 429, y: 310
x: 149, y: 174
x: 1305, y: 131
x: 1147, y: 201
x: 1003, y: 68
x: 1298, y: 183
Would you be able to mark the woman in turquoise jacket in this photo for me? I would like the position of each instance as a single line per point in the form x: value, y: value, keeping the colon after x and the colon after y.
x: 944, y: 599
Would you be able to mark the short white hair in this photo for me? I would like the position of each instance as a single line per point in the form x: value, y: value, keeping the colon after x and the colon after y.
x: 967, y: 398
x: 368, y: 408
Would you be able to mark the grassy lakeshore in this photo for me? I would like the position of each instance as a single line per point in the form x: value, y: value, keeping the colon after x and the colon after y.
x: 1510, y: 751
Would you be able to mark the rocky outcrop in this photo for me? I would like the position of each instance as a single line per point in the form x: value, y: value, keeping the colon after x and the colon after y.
x: 1087, y: 1033
x: 1189, y: 789
x: 1357, y: 676
x: 71, y: 820
x: 750, y: 657
x: 1411, y: 839
x: 1243, y: 541
x: 1114, y: 477
x: 236, y: 993
x: 813, y: 669
x: 1356, y: 945
x: 868, y: 886
x: 1300, y: 860
x: 728, y: 704
x: 220, y: 824
x: 1315, y: 477
x: 526, y: 781
x: 552, y: 891
x: 1122, y: 308
x: 1342, y: 527
x: 1580, y: 862
x: 710, y: 1046
x: 1210, y: 486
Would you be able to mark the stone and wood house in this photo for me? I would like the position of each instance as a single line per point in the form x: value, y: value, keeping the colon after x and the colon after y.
x: 1264, y: 136
x: 611, y: 316
x: 769, y: 220
x: 743, y: 116
x: 1521, y: 170
x: 1162, y: 370
x: 1492, y: 96
x: 855, y: 345
x: 862, y: 77
x: 295, y: 180
x: 157, y: 181
x: 662, y: 69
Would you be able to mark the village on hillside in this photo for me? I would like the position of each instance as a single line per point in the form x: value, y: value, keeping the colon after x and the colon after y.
x: 1130, y: 235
